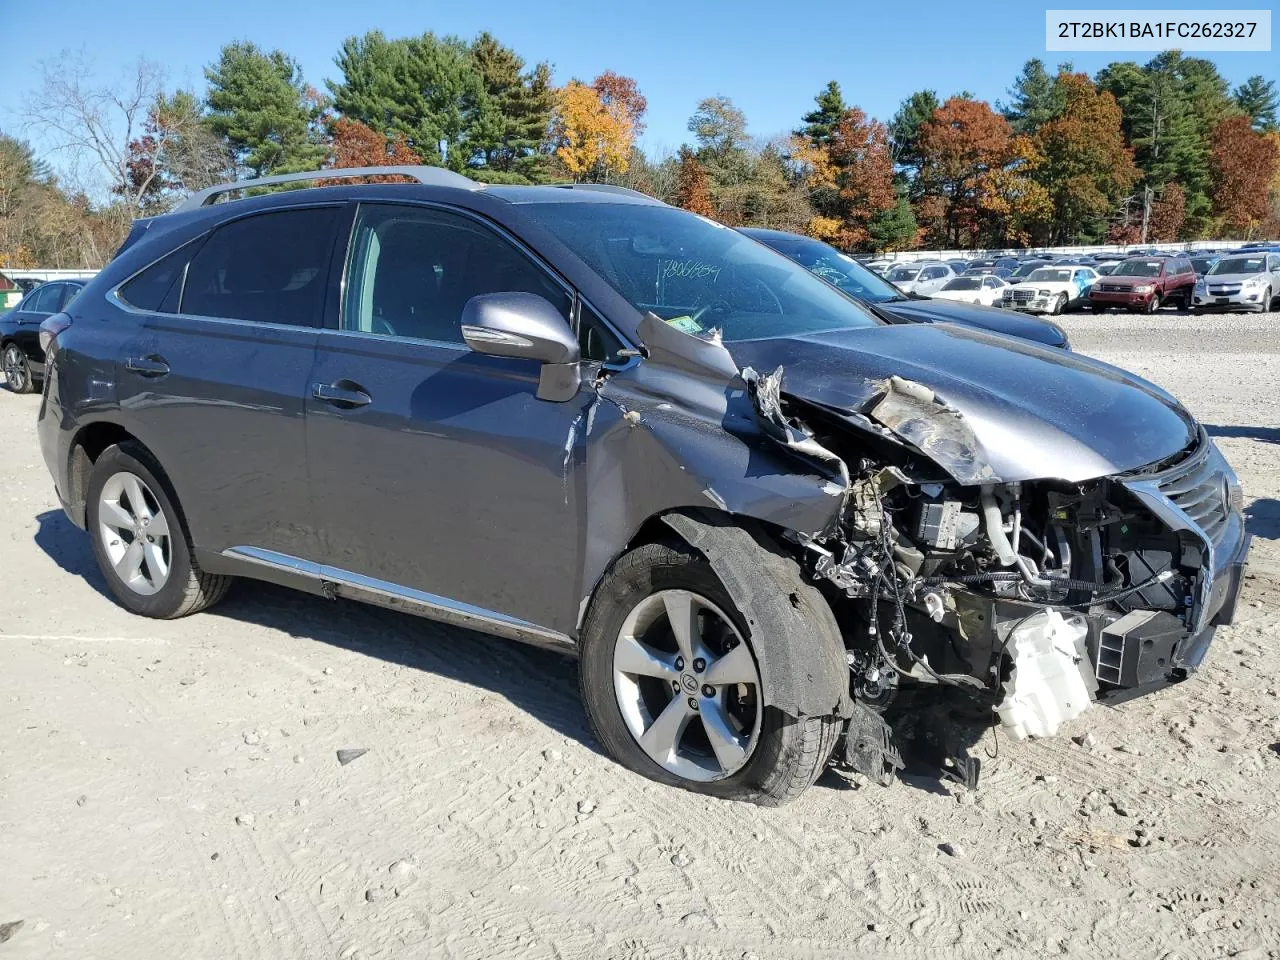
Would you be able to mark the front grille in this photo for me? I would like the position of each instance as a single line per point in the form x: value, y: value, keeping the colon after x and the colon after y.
x: 1198, y: 490
x: 1024, y: 296
x: 1227, y: 290
x: 1114, y: 288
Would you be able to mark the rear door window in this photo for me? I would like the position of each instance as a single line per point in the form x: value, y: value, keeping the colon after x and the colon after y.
x: 46, y: 299
x: 266, y: 268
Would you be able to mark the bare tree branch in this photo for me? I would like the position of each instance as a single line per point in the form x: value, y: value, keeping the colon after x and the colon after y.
x: 101, y: 122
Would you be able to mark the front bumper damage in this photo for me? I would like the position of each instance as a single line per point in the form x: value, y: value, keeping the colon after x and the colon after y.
x: 1027, y: 601
x: 1043, y: 645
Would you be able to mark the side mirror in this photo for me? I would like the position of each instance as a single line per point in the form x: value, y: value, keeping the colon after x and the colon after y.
x: 528, y: 326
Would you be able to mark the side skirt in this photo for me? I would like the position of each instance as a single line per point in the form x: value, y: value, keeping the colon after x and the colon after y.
x: 328, y: 581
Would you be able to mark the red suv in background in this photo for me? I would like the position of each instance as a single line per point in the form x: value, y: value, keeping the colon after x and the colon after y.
x: 1146, y: 284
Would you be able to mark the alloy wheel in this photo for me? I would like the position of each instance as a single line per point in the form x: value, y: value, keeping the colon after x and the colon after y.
x: 15, y: 368
x: 135, y: 533
x: 687, y: 685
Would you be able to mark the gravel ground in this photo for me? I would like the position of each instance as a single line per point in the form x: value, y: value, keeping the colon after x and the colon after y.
x: 173, y: 788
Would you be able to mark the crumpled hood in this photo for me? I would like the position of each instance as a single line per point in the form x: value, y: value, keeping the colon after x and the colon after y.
x: 972, y: 315
x: 1036, y: 412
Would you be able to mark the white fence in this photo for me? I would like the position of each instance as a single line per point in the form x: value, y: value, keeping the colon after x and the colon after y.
x: 43, y: 275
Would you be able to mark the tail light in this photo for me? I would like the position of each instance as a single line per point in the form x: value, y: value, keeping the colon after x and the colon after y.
x: 49, y: 331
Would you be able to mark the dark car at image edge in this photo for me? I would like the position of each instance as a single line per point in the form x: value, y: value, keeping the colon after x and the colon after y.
x: 773, y: 527
x: 21, y: 356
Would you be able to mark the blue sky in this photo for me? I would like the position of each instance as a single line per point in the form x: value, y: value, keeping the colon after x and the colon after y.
x: 770, y: 58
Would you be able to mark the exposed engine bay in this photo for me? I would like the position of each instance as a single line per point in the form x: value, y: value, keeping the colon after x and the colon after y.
x: 1010, y: 561
x: 1034, y: 598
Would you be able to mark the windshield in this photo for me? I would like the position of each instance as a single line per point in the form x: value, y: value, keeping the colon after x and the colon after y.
x: 903, y: 274
x: 1238, y: 265
x: 1138, y: 268
x: 837, y: 268
x: 964, y: 283
x: 1050, y: 275
x: 696, y: 274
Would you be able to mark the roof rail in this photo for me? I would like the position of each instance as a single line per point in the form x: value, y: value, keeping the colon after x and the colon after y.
x: 607, y: 188
x: 430, y: 176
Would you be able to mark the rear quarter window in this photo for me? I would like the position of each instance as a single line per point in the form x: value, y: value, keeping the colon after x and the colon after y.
x: 266, y: 268
x: 156, y: 288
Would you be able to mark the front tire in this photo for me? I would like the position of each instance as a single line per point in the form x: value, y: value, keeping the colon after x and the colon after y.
x: 671, y: 685
x: 140, y: 539
x: 1154, y: 303
x: 16, y: 369
x: 1059, y: 304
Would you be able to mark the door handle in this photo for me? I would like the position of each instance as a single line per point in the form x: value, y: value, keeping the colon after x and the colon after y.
x: 151, y: 366
x: 343, y: 394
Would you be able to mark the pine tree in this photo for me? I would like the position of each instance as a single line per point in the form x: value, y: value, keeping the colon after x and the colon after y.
x: 514, y: 111
x: 904, y: 128
x: 426, y: 89
x: 264, y: 111
x: 1037, y: 98
x: 894, y: 228
x: 1256, y: 98
x: 820, y: 122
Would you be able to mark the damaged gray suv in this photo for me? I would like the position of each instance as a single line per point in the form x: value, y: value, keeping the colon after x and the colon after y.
x: 772, y: 527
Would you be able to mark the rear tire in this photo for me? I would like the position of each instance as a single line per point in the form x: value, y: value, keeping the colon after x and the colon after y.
x: 784, y: 755
x: 16, y: 369
x: 140, y: 538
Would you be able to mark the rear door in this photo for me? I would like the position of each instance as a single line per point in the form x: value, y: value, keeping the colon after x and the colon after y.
x: 43, y: 301
x: 435, y: 469
x: 215, y: 379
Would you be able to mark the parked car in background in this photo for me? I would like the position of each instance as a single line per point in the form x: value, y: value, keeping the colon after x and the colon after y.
x: 1145, y: 284
x: 21, y: 356
x: 1202, y: 262
x: 959, y: 266
x: 880, y: 267
x: 1250, y: 281
x: 1107, y: 268
x: 922, y: 277
x: 1025, y: 268
x: 983, y: 289
x: 844, y: 272
x: 583, y: 418
x: 1049, y: 289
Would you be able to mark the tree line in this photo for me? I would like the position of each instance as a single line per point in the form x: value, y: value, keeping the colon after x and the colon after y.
x: 1158, y: 151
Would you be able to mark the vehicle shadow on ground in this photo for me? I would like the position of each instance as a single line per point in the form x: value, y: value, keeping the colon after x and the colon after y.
x: 1261, y: 434
x: 1262, y: 518
x: 542, y: 683
x: 68, y: 546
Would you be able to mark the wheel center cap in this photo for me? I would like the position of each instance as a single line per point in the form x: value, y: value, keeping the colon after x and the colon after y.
x: 689, y: 682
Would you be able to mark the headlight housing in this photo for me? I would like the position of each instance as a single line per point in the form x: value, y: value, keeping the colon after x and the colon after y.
x: 1142, y: 288
x: 1044, y: 293
x: 1200, y: 285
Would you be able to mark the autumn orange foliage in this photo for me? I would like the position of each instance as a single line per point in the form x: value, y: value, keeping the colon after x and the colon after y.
x: 1242, y: 163
x: 356, y: 145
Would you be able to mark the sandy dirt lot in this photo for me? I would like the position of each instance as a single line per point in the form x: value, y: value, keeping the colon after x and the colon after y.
x: 172, y: 789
